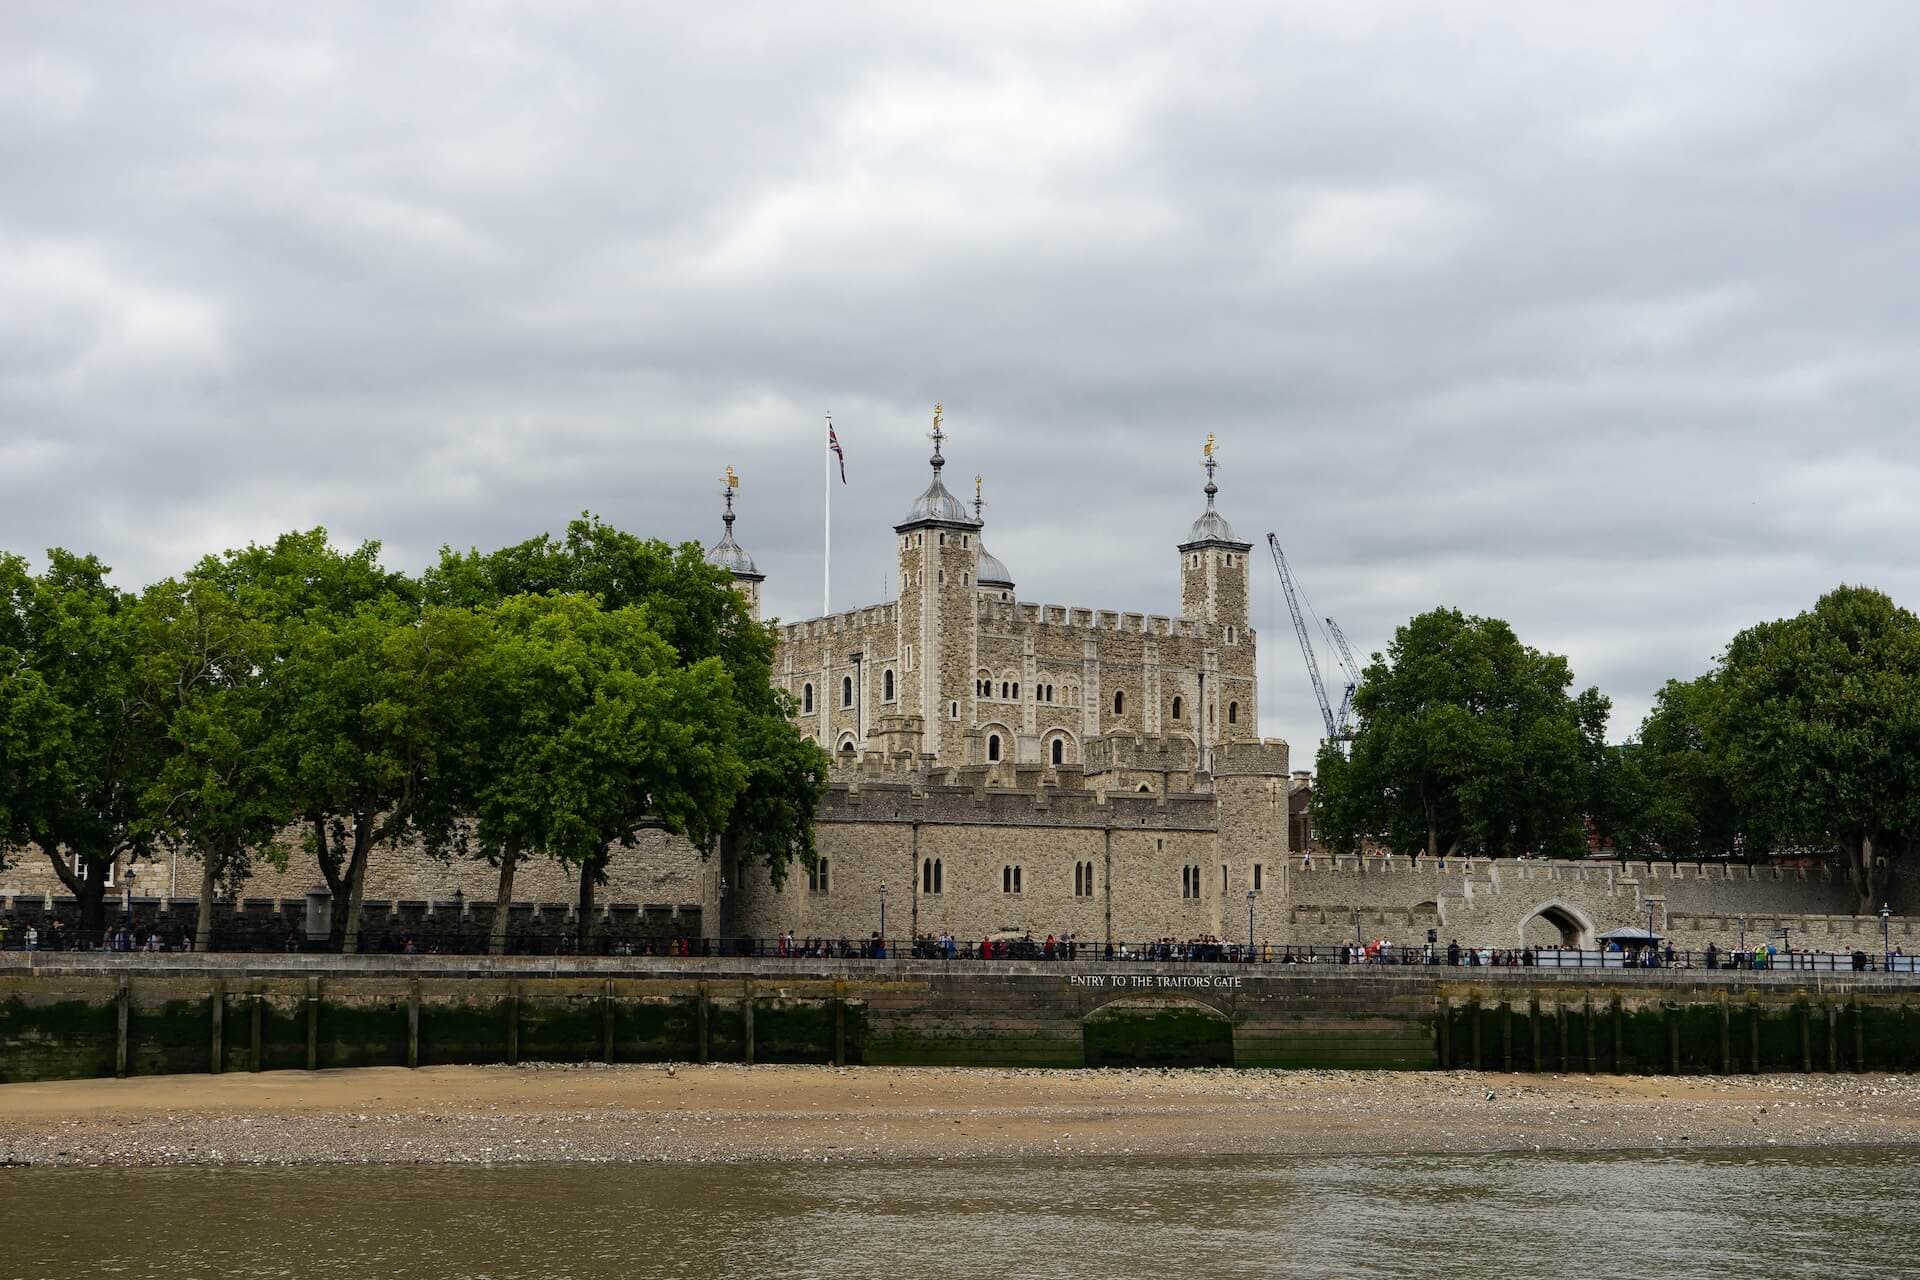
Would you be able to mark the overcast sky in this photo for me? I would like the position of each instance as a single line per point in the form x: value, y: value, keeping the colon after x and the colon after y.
x: 1598, y: 318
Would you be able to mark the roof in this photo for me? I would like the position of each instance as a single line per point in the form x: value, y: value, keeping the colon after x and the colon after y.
x: 729, y: 555
x: 937, y: 504
x: 992, y: 572
x: 1212, y: 527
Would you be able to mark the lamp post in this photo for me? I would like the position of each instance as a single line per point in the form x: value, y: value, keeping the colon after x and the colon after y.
x: 1249, y: 924
x: 883, y: 915
x: 459, y: 922
x: 1652, y: 952
x: 1886, y: 937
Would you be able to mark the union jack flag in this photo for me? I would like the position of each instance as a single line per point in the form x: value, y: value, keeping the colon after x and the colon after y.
x: 833, y: 443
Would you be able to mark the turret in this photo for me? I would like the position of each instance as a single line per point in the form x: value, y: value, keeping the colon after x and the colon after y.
x: 728, y: 555
x: 1214, y: 564
x: 991, y: 576
x: 939, y: 547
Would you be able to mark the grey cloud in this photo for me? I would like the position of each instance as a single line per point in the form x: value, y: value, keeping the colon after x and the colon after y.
x: 1595, y: 319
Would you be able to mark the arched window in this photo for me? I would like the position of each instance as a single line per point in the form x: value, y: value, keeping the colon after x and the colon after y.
x: 1016, y: 879
x: 937, y: 887
x: 993, y: 751
x: 846, y: 691
x: 926, y: 875
x: 1120, y: 702
x: 1145, y: 790
x: 1059, y: 751
x: 1006, y: 879
x: 886, y: 684
x: 1176, y: 706
x: 1016, y: 688
x: 1233, y: 713
x: 817, y: 877
x: 1078, y: 884
x: 806, y: 699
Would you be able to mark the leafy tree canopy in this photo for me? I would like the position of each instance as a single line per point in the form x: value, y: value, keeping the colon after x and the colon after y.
x: 1467, y: 741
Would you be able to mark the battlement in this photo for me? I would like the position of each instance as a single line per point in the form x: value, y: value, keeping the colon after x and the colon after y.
x: 1267, y: 758
x: 1075, y: 618
x: 1040, y: 806
x: 863, y: 618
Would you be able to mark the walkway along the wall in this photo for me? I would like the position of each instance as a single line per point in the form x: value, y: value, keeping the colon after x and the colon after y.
x: 79, y: 1015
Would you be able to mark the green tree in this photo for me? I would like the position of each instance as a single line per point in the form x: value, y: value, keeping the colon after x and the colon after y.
x: 77, y: 744
x: 693, y: 607
x: 1467, y: 741
x: 358, y: 676
x: 1821, y: 723
x: 1684, y: 804
x: 203, y: 670
x: 579, y: 728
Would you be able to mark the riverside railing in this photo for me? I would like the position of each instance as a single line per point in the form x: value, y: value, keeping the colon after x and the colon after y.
x: 1204, y: 951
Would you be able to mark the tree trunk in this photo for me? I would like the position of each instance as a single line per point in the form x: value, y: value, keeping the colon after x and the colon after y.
x: 589, y: 877
x: 329, y: 872
x: 88, y: 886
x: 503, y: 900
x: 203, y: 927
x: 92, y: 901
x: 356, y: 883
x: 1868, y: 881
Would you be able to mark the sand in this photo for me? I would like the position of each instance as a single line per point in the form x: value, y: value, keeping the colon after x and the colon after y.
x: 685, y: 1113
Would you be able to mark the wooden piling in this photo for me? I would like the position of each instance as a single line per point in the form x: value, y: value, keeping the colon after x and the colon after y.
x: 121, y: 1003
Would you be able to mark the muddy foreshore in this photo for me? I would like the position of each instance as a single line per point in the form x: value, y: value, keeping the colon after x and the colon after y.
x: 697, y: 1114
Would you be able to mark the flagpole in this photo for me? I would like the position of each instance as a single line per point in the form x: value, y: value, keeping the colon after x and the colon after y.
x: 826, y: 576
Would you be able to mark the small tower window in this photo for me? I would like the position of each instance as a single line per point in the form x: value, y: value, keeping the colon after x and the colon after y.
x: 806, y: 699
x: 993, y: 746
x: 953, y: 711
x: 1120, y: 702
x: 1176, y: 706
x: 846, y: 691
x: 1059, y: 751
x: 886, y: 684
x: 1233, y: 713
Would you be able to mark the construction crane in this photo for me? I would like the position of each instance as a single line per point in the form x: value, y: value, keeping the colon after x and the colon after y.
x: 1337, y: 724
x: 1343, y: 720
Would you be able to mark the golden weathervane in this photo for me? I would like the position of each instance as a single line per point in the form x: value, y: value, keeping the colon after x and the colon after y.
x: 733, y: 481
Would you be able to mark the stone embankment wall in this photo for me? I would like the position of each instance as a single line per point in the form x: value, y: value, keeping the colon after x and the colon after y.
x: 73, y: 1016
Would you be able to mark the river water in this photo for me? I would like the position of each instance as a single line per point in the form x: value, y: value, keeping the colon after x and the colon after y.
x: 1722, y: 1216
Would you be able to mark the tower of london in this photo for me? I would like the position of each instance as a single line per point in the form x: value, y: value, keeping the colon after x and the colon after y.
x: 986, y: 749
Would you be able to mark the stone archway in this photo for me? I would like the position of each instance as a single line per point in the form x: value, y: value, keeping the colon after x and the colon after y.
x: 1555, y: 924
x: 1157, y: 1032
